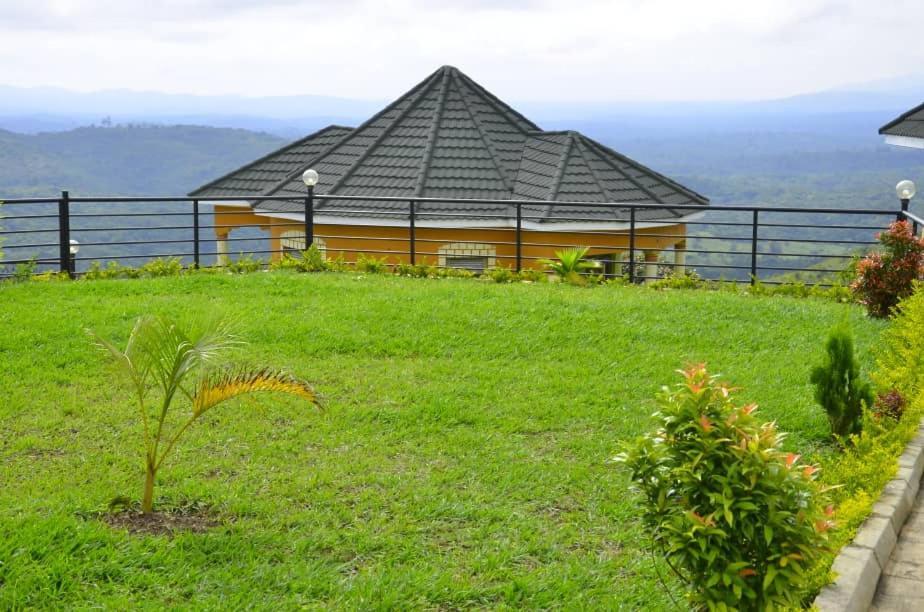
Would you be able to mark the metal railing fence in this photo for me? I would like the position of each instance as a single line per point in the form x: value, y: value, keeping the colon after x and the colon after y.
x: 737, y: 243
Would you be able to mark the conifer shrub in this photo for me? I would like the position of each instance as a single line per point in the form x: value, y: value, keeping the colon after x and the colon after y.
x: 883, y: 279
x: 839, y: 388
x: 737, y: 519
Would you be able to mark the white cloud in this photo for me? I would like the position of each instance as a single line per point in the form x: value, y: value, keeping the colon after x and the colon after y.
x: 537, y: 50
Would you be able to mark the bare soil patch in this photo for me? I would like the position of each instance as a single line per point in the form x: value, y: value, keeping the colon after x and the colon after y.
x: 167, y: 522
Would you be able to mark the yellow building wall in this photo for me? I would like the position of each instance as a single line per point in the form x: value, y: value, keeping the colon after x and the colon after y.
x: 393, y: 243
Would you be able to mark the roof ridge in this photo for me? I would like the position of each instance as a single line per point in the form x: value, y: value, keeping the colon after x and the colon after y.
x: 273, y: 153
x: 901, y: 118
x: 496, y: 102
x: 559, y: 174
x: 498, y: 166
x: 606, y: 192
x: 562, y: 164
x: 431, y: 136
x: 420, y: 86
x: 378, y: 139
x: 593, y: 144
x: 637, y: 184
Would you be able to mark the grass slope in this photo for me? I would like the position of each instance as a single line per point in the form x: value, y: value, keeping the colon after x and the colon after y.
x: 461, y: 460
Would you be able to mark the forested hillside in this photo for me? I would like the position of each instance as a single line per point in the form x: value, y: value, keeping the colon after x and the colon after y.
x: 823, y: 162
x: 124, y: 160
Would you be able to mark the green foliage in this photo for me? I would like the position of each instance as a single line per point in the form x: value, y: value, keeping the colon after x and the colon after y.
x: 900, y: 360
x: 420, y: 270
x: 162, y: 266
x: 529, y: 275
x: 181, y: 362
x: 869, y: 461
x: 244, y: 264
x: 309, y: 260
x: 571, y: 265
x: 51, y: 276
x: 684, y: 280
x: 25, y: 271
x: 737, y: 519
x: 839, y: 389
x: 112, y: 270
x: 501, y: 274
x: 371, y: 264
x: 884, y: 279
x: 312, y: 259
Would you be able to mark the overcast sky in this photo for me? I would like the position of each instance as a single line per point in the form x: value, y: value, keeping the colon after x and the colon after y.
x: 561, y: 50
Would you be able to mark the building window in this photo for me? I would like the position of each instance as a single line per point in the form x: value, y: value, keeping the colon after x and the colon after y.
x: 467, y: 262
x: 293, y: 243
x: 473, y: 256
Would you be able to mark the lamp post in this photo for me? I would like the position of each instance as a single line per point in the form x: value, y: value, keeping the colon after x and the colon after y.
x: 310, y: 178
x: 73, y: 249
x: 905, y: 191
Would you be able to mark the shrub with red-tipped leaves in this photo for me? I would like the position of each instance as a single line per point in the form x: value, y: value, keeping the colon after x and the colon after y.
x: 738, y: 519
x: 889, y: 405
x: 883, y: 279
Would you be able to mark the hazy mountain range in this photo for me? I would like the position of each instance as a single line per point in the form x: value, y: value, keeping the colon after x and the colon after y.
x: 31, y: 110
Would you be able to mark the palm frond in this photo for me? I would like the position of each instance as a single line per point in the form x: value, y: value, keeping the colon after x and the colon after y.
x: 570, y: 262
x: 228, y: 384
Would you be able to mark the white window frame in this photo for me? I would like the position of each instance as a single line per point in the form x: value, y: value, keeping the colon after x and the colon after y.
x: 293, y: 241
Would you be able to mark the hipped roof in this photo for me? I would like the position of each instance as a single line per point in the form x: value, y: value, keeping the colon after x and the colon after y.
x: 448, y: 137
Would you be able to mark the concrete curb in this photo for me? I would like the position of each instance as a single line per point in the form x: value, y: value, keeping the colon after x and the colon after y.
x: 859, y: 564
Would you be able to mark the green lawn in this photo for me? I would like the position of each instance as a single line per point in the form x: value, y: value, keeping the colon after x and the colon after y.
x: 460, y: 461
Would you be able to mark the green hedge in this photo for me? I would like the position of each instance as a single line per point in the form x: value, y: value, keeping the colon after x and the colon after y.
x: 866, y: 466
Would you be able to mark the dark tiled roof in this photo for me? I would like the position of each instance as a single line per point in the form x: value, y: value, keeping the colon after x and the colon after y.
x: 269, y: 170
x: 909, y: 124
x: 450, y: 138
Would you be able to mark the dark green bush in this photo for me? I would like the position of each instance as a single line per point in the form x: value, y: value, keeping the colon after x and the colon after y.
x: 735, y: 517
x: 839, y: 389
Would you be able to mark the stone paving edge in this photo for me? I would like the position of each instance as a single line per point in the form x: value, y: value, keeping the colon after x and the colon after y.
x: 859, y: 565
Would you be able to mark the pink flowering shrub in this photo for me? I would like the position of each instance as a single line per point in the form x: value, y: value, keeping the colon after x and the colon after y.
x: 883, y: 279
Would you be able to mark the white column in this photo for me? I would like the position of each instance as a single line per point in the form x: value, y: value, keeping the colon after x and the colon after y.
x: 680, y: 258
x: 221, y: 248
x: 651, y: 265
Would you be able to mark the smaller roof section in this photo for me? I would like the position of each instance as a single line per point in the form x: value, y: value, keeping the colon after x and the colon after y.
x: 907, y: 130
x: 264, y: 173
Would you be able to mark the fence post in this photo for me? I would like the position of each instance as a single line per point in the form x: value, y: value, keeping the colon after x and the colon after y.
x: 309, y: 218
x: 196, y: 233
x: 412, y: 228
x: 64, y: 233
x: 632, y: 245
x: 519, y: 236
x: 754, y: 226
x: 901, y: 213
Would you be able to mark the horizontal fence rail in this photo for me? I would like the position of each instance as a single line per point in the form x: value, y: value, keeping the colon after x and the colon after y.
x: 639, y: 241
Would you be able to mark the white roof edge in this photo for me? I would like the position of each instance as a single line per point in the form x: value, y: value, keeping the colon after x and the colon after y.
x: 904, y: 141
x: 321, y: 219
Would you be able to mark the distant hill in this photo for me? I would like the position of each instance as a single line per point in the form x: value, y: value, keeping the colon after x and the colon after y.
x: 124, y: 160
